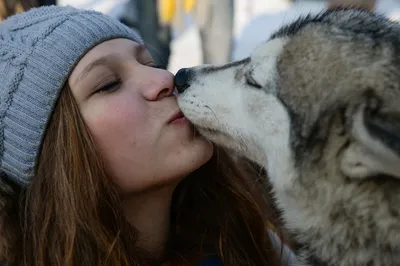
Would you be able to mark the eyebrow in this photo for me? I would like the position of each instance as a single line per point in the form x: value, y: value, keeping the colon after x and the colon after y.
x: 108, y: 59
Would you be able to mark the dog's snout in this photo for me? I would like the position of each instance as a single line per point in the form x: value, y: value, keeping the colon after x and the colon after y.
x: 181, y: 79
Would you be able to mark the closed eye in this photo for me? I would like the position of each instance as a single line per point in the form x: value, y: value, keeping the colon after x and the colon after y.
x: 251, y: 82
x: 109, y: 87
x: 152, y: 64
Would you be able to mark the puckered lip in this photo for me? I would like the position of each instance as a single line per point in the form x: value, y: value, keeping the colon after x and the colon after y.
x: 175, y: 116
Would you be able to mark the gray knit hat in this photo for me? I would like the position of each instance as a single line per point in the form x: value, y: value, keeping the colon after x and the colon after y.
x: 38, y: 51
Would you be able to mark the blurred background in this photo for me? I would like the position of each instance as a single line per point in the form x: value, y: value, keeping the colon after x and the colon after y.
x: 184, y: 33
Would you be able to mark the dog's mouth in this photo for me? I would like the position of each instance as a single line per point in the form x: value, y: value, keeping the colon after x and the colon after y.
x: 207, y: 131
x: 213, y: 134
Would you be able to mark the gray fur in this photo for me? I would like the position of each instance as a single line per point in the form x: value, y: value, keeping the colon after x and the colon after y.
x: 323, y: 117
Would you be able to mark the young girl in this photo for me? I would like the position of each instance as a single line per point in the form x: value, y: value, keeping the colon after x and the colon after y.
x: 97, y: 164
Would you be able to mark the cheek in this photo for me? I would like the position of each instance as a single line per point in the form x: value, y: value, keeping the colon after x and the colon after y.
x: 116, y: 123
x: 122, y: 133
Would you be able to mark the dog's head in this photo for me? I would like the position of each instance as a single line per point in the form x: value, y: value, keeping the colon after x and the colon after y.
x: 319, y: 105
x: 324, y: 86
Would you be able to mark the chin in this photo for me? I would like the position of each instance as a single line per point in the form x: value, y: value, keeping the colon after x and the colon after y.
x: 201, y: 153
x: 208, y: 148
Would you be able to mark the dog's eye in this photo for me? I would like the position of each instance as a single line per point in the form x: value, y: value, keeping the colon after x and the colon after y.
x: 251, y: 82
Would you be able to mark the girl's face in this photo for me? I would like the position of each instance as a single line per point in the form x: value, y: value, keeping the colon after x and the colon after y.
x: 128, y: 106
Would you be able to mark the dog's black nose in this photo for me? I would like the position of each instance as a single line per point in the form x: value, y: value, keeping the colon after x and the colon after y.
x: 181, y: 79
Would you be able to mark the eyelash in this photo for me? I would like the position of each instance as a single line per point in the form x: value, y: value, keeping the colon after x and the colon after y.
x: 156, y: 66
x: 114, y: 85
x: 109, y: 87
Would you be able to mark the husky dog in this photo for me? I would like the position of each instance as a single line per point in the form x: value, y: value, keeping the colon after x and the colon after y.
x: 318, y: 105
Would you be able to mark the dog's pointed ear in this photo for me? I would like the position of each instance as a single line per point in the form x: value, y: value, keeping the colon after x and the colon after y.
x: 375, y: 146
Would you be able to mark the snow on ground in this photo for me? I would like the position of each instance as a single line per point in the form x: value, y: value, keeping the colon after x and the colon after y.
x: 255, y: 20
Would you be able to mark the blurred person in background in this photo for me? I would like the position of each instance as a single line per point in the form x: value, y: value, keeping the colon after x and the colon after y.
x: 214, y: 20
x: 155, y: 20
x: 142, y: 16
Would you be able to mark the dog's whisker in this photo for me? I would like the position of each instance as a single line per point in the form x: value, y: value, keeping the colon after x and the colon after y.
x: 215, y: 116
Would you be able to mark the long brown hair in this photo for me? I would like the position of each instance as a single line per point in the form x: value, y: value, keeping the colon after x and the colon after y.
x: 70, y: 214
